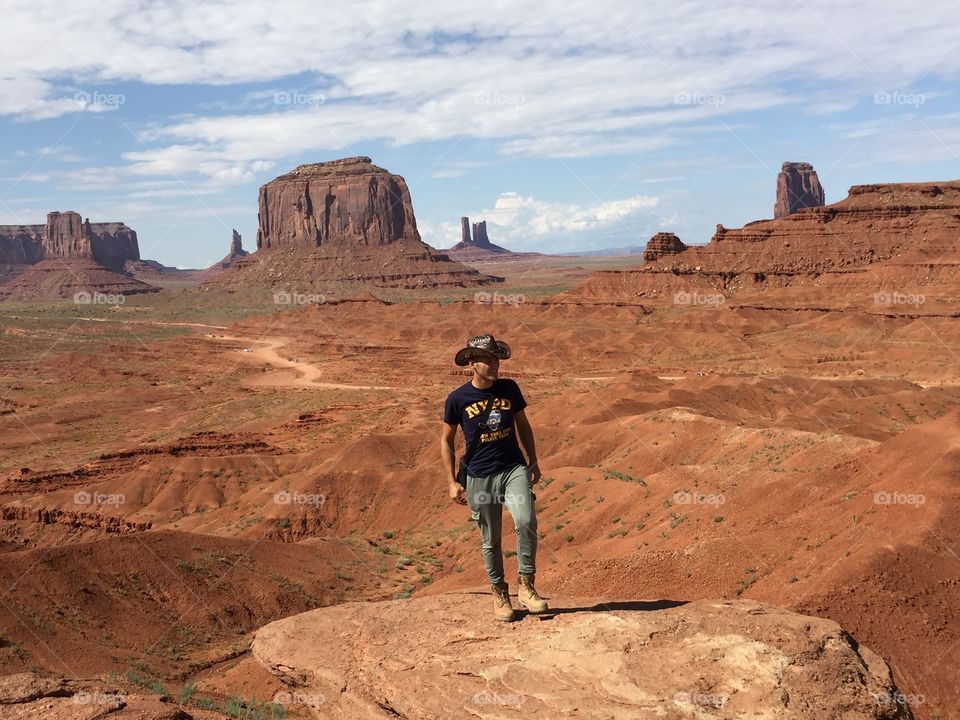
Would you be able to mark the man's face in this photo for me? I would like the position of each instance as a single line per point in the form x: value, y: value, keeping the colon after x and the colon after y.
x: 487, y: 367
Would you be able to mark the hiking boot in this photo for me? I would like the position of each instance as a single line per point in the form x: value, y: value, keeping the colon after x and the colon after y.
x: 502, y: 609
x: 528, y: 596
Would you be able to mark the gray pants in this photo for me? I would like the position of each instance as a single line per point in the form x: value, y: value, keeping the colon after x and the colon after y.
x: 486, y: 497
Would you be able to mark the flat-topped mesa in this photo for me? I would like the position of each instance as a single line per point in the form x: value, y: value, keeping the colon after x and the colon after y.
x: 67, y: 235
x: 661, y: 244
x: 797, y: 187
x: 906, y: 233
x: 347, y: 202
x: 873, y: 223
x: 66, y: 256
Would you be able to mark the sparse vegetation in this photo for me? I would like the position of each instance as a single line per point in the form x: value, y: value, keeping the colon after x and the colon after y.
x: 187, y: 692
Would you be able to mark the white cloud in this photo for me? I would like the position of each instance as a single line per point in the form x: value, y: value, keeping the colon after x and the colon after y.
x: 600, y: 77
x: 903, y: 138
x: 523, y: 223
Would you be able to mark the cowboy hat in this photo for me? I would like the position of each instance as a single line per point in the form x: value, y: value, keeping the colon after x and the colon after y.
x: 481, y: 346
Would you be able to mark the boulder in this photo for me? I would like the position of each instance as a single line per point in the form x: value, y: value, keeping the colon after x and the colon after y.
x: 444, y: 656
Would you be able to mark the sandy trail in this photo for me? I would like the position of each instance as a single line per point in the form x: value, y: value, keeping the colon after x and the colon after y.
x: 308, y: 376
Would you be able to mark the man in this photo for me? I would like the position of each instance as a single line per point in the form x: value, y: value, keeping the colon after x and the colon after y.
x: 496, y: 473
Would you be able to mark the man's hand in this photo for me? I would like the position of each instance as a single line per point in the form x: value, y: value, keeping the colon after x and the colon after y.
x: 456, y: 493
x: 534, y: 473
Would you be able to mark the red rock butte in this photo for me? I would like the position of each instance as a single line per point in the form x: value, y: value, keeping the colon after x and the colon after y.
x: 347, y: 201
x: 475, y: 245
x: 663, y: 243
x: 343, y: 222
x: 798, y: 187
x: 67, y: 255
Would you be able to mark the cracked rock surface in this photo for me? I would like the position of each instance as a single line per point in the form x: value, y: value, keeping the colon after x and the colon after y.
x: 444, y: 656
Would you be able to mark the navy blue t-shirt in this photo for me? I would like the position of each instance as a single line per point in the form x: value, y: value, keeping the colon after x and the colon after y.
x: 498, y: 448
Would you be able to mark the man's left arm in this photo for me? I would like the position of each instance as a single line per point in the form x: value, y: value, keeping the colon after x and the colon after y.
x: 525, y: 433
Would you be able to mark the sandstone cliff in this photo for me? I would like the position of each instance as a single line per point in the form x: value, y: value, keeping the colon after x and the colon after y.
x: 113, y: 244
x: 893, y: 235
x: 21, y: 244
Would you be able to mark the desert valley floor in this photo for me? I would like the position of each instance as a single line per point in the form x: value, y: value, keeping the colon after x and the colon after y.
x: 181, y: 469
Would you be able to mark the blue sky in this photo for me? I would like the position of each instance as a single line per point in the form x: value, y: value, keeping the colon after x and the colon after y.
x: 567, y: 125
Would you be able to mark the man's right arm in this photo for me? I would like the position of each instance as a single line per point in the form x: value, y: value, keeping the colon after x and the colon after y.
x: 448, y: 458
